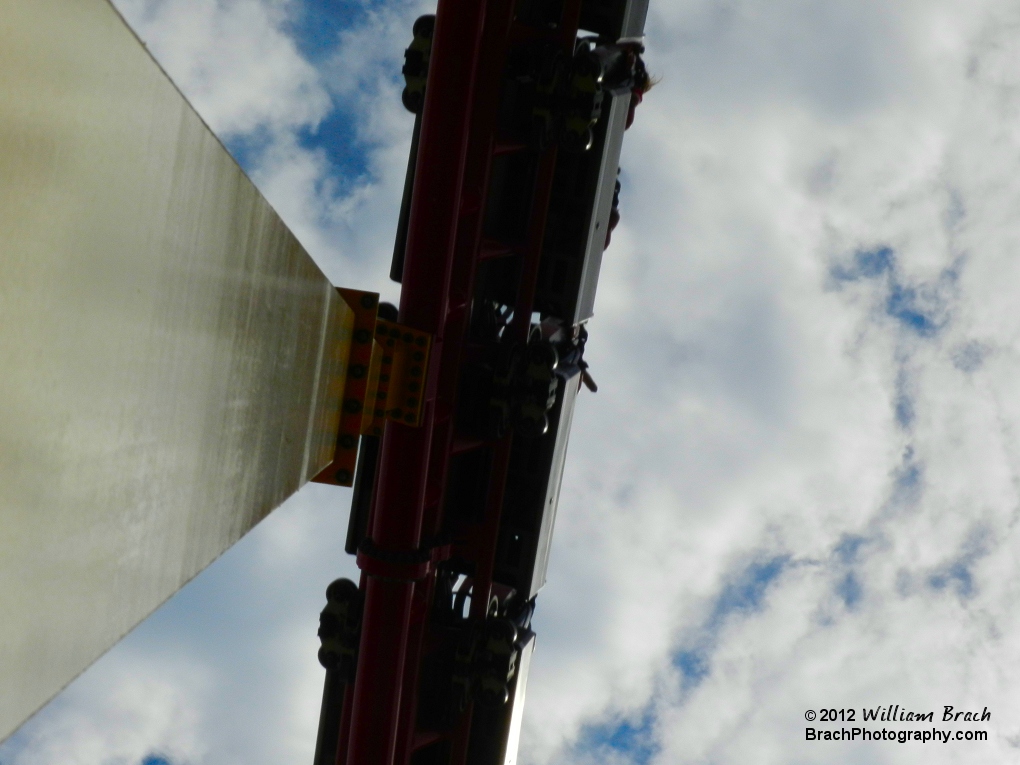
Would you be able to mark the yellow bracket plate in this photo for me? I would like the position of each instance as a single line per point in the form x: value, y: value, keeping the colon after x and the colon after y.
x: 365, y: 305
x: 385, y: 380
x: 401, y: 356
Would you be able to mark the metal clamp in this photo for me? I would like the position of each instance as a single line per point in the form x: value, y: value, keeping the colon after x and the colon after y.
x: 389, y: 564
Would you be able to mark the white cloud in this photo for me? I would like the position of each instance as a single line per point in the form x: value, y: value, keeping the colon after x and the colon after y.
x: 758, y: 416
x: 233, y: 60
x: 225, y: 672
x: 350, y: 229
x: 238, y: 64
x: 129, y: 709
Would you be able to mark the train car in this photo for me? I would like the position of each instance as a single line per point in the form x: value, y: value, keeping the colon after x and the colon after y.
x: 559, y: 109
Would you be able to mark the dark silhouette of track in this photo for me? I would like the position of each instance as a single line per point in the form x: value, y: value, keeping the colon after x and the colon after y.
x: 510, y: 200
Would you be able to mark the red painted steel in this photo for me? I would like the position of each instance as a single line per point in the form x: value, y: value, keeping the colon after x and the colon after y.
x: 401, y: 483
x: 444, y: 245
x: 486, y: 538
x: 345, y: 726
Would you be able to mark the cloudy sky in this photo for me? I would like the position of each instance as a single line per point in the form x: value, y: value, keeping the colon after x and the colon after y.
x: 797, y: 487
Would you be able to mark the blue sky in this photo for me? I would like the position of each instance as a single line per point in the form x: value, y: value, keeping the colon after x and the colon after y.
x: 797, y: 485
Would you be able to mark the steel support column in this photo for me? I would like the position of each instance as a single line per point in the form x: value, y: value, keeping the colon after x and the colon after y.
x: 401, y: 487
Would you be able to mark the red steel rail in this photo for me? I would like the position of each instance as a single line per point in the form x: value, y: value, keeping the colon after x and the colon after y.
x: 444, y: 246
x: 408, y: 481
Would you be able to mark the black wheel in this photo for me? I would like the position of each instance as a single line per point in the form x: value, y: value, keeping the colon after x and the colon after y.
x: 496, y: 422
x: 424, y: 26
x: 413, y: 100
x: 578, y: 143
x: 541, y: 134
x: 503, y: 630
x: 492, y: 697
x: 543, y: 354
x: 587, y: 65
x: 341, y: 591
x: 532, y: 426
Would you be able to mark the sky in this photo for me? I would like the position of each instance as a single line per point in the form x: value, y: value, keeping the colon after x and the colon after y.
x: 797, y: 487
